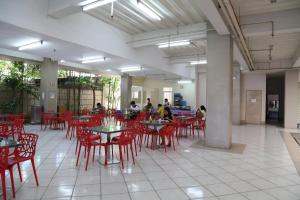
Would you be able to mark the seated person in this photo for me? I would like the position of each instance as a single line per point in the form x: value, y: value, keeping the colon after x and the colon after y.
x: 166, y: 103
x: 133, y: 110
x: 99, y: 108
x: 160, y: 110
x: 148, y: 107
x: 168, y: 114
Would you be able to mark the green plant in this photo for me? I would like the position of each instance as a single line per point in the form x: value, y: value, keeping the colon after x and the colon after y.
x: 18, y: 80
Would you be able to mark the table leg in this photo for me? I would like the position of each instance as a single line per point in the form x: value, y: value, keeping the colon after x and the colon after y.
x: 110, y: 158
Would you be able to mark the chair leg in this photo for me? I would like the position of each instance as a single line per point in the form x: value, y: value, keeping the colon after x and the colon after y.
x: 132, y: 153
x: 94, y: 152
x: 12, y: 182
x: 76, y: 147
x: 87, y: 159
x: 20, y: 174
x: 3, y: 184
x: 34, y: 172
x: 135, y: 146
x: 78, y: 154
x: 121, y: 157
x: 172, y: 137
x: 127, y: 152
x: 106, y: 154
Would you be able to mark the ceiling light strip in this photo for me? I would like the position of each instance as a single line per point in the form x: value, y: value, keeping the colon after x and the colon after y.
x: 149, y: 11
x: 131, y: 69
x: 96, y: 4
x: 174, y: 43
x: 93, y: 60
x: 31, y: 45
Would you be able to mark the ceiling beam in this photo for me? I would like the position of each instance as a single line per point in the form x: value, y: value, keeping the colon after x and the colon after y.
x: 274, y: 64
x: 286, y: 21
x: 210, y: 10
x: 191, y: 32
x: 62, y: 8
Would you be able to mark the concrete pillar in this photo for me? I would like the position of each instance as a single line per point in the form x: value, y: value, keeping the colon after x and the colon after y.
x: 291, y: 99
x: 236, y: 94
x: 200, y: 86
x: 219, y: 91
x: 49, y: 84
x: 126, y: 84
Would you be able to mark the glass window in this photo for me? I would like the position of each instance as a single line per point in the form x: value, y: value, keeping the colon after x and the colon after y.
x: 168, y: 93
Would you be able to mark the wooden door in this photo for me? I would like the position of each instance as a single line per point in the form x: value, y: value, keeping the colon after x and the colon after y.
x: 253, y: 106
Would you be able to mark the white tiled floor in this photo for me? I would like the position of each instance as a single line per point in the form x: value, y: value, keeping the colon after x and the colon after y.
x: 263, y: 172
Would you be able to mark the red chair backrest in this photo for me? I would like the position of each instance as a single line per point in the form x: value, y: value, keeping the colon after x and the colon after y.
x: 4, y: 130
x: 29, y: 141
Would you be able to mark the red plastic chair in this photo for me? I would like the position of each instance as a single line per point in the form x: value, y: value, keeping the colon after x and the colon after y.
x: 126, y: 138
x: 168, y: 133
x: 21, y: 154
x: 3, y: 166
x: 17, y: 127
x: 198, y: 124
x: 89, y: 140
x: 25, y: 152
x: 4, y: 131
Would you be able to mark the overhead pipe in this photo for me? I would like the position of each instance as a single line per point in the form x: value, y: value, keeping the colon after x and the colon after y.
x: 232, y: 20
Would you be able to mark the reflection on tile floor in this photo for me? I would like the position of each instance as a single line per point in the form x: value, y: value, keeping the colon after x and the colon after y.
x: 264, y: 171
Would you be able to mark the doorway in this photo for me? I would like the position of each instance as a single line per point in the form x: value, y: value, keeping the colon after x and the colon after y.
x: 275, y: 99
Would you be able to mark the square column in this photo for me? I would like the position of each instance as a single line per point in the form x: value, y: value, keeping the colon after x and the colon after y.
x: 200, y: 85
x: 219, y: 90
x: 291, y: 99
x: 126, y: 84
x: 236, y: 105
x: 49, y: 89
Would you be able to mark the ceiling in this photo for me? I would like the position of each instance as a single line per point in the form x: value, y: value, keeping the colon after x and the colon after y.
x: 128, y: 17
x: 284, y: 44
x: 12, y: 37
x: 251, y: 7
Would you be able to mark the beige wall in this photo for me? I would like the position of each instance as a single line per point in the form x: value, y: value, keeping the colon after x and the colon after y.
x: 253, y: 81
x: 291, y: 99
x: 151, y: 86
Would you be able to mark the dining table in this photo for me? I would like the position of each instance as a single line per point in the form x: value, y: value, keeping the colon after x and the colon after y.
x: 6, y: 142
x: 108, y: 131
x: 155, y: 125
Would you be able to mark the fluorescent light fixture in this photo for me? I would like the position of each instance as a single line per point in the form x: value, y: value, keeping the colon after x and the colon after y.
x: 93, y: 60
x: 96, y: 4
x: 184, y: 81
x: 62, y: 61
x: 31, y: 45
x: 199, y: 62
x: 149, y: 11
x: 174, y: 43
x: 86, y: 2
x: 130, y: 69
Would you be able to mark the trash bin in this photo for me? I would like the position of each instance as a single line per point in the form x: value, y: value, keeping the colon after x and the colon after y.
x: 36, y: 114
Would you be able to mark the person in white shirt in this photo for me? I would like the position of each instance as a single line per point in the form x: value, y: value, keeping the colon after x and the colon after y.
x: 134, y: 107
x: 166, y: 103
